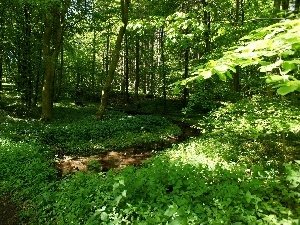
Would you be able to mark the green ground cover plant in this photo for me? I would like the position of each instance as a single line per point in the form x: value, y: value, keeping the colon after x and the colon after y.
x: 88, y: 136
x: 226, y: 176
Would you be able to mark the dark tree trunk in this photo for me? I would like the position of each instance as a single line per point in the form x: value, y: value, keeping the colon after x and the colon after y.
x: 236, y: 75
x: 297, y: 5
x: 107, y: 54
x: 152, y: 68
x: 206, y: 18
x: 186, y: 75
x: 60, y: 74
x: 126, y: 69
x: 285, y: 4
x: 137, y: 69
x: 1, y: 72
x: 94, y: 62
x: 114, y: 61
x: 26, y: 60
x: 163, y: 72
x: 37, y: 78
x: 277, y: 4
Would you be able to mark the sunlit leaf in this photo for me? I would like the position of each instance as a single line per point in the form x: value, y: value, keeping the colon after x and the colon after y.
x: 286, y: 89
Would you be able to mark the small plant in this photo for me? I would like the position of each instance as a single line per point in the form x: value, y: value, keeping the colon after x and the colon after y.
x: 94, y: 166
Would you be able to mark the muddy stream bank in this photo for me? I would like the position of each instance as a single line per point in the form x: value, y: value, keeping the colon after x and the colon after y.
x: 119, y: 159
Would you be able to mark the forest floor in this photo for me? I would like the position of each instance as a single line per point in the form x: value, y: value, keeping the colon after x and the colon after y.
x: 8, y: 212
x: 116, y: 160
x: 119, y: 159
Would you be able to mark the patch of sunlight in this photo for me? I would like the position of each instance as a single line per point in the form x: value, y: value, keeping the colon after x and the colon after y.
x: 192, y: 154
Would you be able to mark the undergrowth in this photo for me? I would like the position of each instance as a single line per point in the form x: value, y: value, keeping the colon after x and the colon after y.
x: 241, y: 171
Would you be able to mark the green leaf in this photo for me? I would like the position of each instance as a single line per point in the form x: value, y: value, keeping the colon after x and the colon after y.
x: 287, y: 66
x: 222, y: 76
x: 176, y: 90
x: 179, y: 221
x: 248, y: 196
x: 206, y: 74
x: 171, y: 210
x: 283, y: 90
x: 104, y: 216
x: 273, y: 79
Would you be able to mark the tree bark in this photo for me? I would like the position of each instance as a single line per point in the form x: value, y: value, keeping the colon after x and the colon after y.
x: 126, y: 69
x: 277, y: 4
x: 186, y: 75
x: 206, y: 18
x: 297, y: 5
x: 236, y: 75
x: 285, y: 4
x: 114, y: 61
x: 60, y: 74
x: 137, y: 69
x: 163, y: 72
x: 1, y: 71
x: 53, y: 33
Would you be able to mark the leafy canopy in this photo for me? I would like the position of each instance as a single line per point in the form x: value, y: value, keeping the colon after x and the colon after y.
x: 274, y: 48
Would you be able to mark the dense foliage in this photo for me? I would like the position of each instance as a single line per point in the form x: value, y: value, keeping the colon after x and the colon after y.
x: 57, y: 58
x: 234, y: 173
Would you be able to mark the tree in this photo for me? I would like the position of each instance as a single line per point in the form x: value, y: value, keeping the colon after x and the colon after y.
x: 114, y: 60
x: 53, y: 34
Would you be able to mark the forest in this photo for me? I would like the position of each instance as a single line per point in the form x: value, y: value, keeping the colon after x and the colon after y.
x: 179, y: 112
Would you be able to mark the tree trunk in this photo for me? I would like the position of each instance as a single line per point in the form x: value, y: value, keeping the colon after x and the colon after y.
x: 236, y: 75
x: 285, y: 4
x: 94, y: 62
x: 107, y: 54
x: 114, y: 61
x: 137, y: 69
x: 297, y: 5
x: 37, y: 78
x: 186, y: 75
x: 53, y: 33
x: 277, y: 4
x: 163, y: 72
x: 206, y: 18
x: 126, y: 69
x: 60, y: 74
x: 152, y: 68
x: 1, y: 71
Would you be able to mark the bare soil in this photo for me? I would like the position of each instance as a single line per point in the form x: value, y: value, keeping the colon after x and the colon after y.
x: 122, y: 158
x: 8, y: 212
x: 107, y: 161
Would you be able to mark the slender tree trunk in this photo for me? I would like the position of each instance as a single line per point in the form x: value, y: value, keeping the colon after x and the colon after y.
x: 114, y: 61
x: 239, y: 13
x: 94, y: 62
x: 186, y: 75
x: 37, y: 78
x: 163, y: 72
x: 152, y: 69
x: 277, y: 4
x: 285, y: 4
x: 107, y: 54
x: 297, y: 5
x: 206, y: 18
x: 186, y: 72
x: 126, y: 69
x: 137, y: 69
x: 27, y: 59
x: 61, y: 72
x: 1, y: 72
